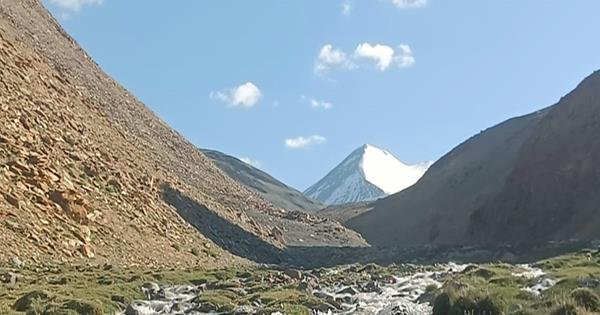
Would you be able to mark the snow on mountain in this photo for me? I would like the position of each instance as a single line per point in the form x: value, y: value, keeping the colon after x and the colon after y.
x: 367, y: 174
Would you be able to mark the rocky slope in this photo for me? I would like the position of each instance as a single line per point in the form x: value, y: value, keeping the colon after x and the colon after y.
x: 367, y: 174
x: 262, y: 183
x: 87, y: 171
x: 553, y: 190
x: 531, y: 178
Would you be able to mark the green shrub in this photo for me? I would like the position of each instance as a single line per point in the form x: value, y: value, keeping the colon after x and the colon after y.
x: 489, y: 306
x: 467, y: 303
x: 31, y: 299
x: 441, y: 304
x: 565, y: 309
x: 586, y: 298
x: 431, y: 288
x: 483, y: 273
x: 463, y: 305
x: 83, y: 307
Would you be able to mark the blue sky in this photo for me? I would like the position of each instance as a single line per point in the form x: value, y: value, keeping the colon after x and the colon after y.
x: 297, y: 85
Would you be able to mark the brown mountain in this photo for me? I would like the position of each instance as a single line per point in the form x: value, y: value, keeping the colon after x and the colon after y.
x: 553, y: 191
x: 262, y: 183
x: 530, y: 178
x: 86, y: 170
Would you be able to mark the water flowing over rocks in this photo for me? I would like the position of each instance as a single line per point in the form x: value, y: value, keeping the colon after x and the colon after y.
x: 360, y: 290
x: 542, y: 281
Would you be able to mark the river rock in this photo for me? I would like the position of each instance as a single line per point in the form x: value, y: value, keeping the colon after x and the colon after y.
x: 324, y: 307
x: 293, y: 273
x: 348, y: 290
x: 150, y: 289
x: 372, y: 286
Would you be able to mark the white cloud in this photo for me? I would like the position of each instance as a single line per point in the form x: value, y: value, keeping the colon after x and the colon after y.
x: 320, y: 104
x: 304, y: 142
x: 246, y: 95
x: 407, y: 4
x: 74, y: 5
x: 330, y: 57
x: 383, y: 54
x: 347, y: 8
x: 316, y: 103
x: 405, y: 56
x: 251, y: 162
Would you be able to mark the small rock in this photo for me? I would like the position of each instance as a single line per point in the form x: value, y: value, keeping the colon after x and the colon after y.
x: 348, y: 300
x: 17, y: 263
x: 178, y: 307
x: 119, y: 299
x: 305, y: 286
x: 372, y: 286
x: 244, y: 310
x: 293, y: 273
x: 589, y: 282
x: 207, y: 308
x: 9, y: 278
x: 277, y: 234
x: 84, y: 234
x: 324, y: 307
x: 134, y: 308
x: 348, y: 290
x: 86, y: 251
x: 323, y: 295
x: 150, y: 289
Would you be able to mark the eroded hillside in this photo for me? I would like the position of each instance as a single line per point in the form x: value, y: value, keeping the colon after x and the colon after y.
x: 89, y: 172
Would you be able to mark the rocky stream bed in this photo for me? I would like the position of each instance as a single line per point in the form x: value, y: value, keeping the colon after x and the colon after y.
x: 570, y: 281
x: 367, y: 290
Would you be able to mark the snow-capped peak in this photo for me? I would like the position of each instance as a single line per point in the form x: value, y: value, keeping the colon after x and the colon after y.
x: 385, y: 171
x: 366, y: 174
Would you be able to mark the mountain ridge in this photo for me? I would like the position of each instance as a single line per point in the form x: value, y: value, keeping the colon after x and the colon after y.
x: 262, y: 183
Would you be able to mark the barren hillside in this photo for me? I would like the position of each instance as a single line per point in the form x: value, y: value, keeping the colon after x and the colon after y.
x: 89, y: 172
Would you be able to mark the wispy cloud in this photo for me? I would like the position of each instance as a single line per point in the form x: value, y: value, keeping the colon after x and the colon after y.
x: 330, y: 57
x: 405, y: 56
x: 304, y: 142
x: 408, y: 4
x: 74, y: 5
x: 317, y: 104
x: 246, y: 95
x: 320, y: 104
x: 347, y: 7
x: 251, y: 162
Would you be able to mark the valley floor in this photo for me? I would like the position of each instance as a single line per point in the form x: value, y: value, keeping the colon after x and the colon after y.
x: 566, y: 284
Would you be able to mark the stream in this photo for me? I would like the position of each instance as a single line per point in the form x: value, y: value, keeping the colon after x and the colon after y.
x: 397, y: 295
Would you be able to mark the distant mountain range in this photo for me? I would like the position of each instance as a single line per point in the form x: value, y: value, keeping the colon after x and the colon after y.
x: 278, y: 193
x: 367, y: 174
x: 531, y: 178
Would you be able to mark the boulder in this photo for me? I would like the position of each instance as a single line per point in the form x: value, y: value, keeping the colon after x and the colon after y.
x: 293, y: 273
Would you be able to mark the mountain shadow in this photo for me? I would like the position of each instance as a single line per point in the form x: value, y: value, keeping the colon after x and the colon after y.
x: 222, y: 232
x: 242, y: 243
